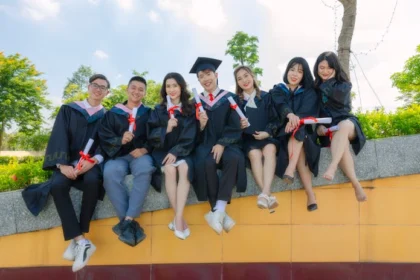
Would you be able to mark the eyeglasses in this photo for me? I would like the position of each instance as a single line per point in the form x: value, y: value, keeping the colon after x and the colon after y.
x: 96, y: 86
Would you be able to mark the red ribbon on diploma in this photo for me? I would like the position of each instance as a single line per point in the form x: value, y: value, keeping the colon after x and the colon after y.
x: 83, y: 156
x: 197, y: 110
x: 234, y: 106
x: 131, y: 120
x: 301, y: 122
x: 329, y: 133
x: 172, y: 109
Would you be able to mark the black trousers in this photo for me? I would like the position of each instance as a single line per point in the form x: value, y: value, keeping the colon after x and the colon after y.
x: 229, y: 165
x: 90, y: 183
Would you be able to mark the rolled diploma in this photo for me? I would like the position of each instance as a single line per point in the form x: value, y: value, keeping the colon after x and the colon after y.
x: 197, y: 99
x: 133, y: 115
x: 238, y: 110
x: 169, y: 105
x: 318, y: 120
x: 85, y: 151
x: 332, y: 128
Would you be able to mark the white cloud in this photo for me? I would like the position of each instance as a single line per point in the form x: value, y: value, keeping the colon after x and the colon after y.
x: 101, y: 54
x: 94, y: 2
x: 40, y: 9
x: 126, y: 5
x: 207, y: 14
x: 153, y: 16
x: 119, y: 76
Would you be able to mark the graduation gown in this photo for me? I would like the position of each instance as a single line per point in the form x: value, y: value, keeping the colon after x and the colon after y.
x: 262, y: 118
x: 72, y: 129
x: 223, y: 127
x: 180, y: 141
x: 303, y: 103
x: 115, y: 124
x: 336, y: 103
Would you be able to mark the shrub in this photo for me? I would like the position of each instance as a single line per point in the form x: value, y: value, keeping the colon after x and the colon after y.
x: 16, y: 175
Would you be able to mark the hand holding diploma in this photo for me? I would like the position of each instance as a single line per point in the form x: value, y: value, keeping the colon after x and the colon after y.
x: 171, y: 107
x: 85, y: 162
x: 198, y: 104
x: 329, y: 131
x: 234, y: 106
x: 132, y: 120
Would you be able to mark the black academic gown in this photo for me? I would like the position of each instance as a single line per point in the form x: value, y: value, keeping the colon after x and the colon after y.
x: 223, y: 127
x: 72, y: 129
x: 336, y: 103
x: 113, y: 126
x: 303, y: 103
x: 262, y: 118
x: 180, y: 141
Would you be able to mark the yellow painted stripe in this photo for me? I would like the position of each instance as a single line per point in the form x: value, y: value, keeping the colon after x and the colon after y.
x: 384, y: 229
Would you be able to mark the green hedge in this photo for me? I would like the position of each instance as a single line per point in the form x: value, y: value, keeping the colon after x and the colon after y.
x: 18, y: 173
x: 26, y: 159
x: 380, y: 124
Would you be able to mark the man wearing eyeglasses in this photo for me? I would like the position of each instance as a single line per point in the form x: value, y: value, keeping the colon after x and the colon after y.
x: 75, y: 124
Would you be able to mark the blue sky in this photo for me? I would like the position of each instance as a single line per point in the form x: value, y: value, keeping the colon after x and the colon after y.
x: 116, y: 36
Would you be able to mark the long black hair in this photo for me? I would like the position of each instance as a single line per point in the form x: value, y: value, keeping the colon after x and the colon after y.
x: 187, y: 107
x: 307, y: 81
x: 333, y: 63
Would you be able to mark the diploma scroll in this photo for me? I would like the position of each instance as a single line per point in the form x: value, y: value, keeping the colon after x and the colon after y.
x: 85, y: 154
x: 169, y: 105
x: 197, y: 101
x: 316, y: 120
x: 133, y: 120
x: 237, y: 109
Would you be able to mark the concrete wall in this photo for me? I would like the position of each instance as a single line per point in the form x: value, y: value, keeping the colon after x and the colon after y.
x: 382, y: 158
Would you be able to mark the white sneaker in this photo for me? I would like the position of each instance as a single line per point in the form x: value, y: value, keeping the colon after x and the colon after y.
x: 228, y: 223
x: 215, y: 220
x: 69, y: 254
x: 83, y: 254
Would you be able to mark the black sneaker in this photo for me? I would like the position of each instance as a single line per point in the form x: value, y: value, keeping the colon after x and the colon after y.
x: 120, y: 227
x: 138, y: 232
x: 128, y: 234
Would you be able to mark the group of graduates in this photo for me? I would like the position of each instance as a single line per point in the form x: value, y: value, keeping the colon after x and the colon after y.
x: 190, y: 139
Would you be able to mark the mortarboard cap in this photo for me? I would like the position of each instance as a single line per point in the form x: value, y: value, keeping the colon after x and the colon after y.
x: 204, y: 63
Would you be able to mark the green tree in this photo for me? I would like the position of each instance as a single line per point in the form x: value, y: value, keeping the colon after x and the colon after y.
x: 408, y: 80
x: 22, y: 94
x: 76, y: 87
x: 244, y: 50
x: 119, y: 94
x: 19, y: 141
x: 78, y: 82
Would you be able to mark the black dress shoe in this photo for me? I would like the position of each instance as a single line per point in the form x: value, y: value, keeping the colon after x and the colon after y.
x: 127, y: 235
x: 138, y: 232
x: 312, y: 207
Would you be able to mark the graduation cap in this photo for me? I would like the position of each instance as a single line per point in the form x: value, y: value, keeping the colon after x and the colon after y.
x: 204, y: 63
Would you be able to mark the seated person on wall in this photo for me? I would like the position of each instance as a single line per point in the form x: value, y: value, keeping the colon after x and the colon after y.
x: 334, y: 89
x: 294, y: 100
x: 173, y: 131
x: 260, y: 144
x: 218, y: 147
x: 123, y: 138
x: 74, y: 125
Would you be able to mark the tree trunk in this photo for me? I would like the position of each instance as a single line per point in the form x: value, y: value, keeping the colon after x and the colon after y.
x: 346, y: 34
x: 1, y: 133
